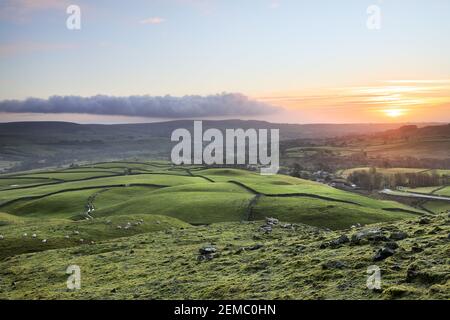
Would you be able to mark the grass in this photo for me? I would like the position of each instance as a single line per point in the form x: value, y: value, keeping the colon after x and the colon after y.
x: 198, y: 196
x: 63, y: 205
x: 290, y: 264
x: 444, y: 192
x: 56, y: 230
x: 321, y: 213
x: 202, y: 203
x: 148, y: 179
x: 143, y: 240
x: 13, y: 183
x: 437, y: 206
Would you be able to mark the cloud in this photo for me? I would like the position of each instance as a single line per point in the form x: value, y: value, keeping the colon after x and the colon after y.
x: 152, y: 20
x: 225, y: 104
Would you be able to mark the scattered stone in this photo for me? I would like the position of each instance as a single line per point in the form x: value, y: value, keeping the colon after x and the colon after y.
x: 267, y: 228
x: 375, y: 235
x: 207, y: 253
x: 25, y: 234
x: 400, y: 235
x: 287, y: 226
x: 333, y: 265
x: 158, y: 222
x: 207, y: 250
x: 271, y: 221
x: 119, y: 227
x: 383, y: 254
x: 76, y: 232
x: 392, y: 245
x: 339, y: 241
x: 424, y: 220
x: 67, y: 236
x: 81, y: 240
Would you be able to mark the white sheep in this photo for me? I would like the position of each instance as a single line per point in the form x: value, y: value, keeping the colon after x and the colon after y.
x: 44, y: 241
x: 76, y: 232
x: 67, y: 237
x: 1, y: 237
x: 34, y: 235
x: 25, y: 234
x: 81, y: 240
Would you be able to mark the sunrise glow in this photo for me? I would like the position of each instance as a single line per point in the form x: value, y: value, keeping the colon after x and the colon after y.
x: 395, y: 113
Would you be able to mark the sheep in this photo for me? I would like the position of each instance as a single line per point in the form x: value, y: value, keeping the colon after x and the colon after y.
x: 1, y: 237
x: 67, y: 236
x: 76, y: 232
x: 25, y: 234
x: 81, y: 240
x: 119, y: 227
x: 44, y: 241
x: 34, y: 235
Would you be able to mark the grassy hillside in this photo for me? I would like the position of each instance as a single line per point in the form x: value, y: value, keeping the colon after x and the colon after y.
x: 289, y: 263
x: 146, y: 224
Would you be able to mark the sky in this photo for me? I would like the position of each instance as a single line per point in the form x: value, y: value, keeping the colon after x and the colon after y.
x: 290, y: 61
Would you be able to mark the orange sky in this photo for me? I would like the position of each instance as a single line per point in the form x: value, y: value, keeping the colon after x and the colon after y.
x: 385, y: 101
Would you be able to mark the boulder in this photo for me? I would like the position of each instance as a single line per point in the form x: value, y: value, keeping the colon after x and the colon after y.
x: 339, y: 241
x: 267, y: 228
x: 399, y: 235
x: 271, y: 221
x: 383, y: 254
x: 207, y: 250
x: 392, y: 245
x: 375, y: 235
x: 207, y: 253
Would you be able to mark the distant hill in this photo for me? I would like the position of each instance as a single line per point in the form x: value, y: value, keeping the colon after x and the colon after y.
x: 26, y: 145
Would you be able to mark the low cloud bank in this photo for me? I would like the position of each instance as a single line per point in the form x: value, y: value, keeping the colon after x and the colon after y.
x: 226, y: 104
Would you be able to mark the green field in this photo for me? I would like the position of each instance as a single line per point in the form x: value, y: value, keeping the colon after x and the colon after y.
x: 191, y: 194
x: 146, y: 223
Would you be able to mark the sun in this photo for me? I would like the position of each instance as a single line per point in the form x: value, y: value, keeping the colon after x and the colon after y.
x: 394, y: 113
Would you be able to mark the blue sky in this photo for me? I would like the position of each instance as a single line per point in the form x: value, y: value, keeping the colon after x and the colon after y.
x: 267, y: 50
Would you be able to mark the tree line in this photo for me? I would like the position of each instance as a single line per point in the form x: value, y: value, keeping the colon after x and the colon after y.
x: 373, y: 180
